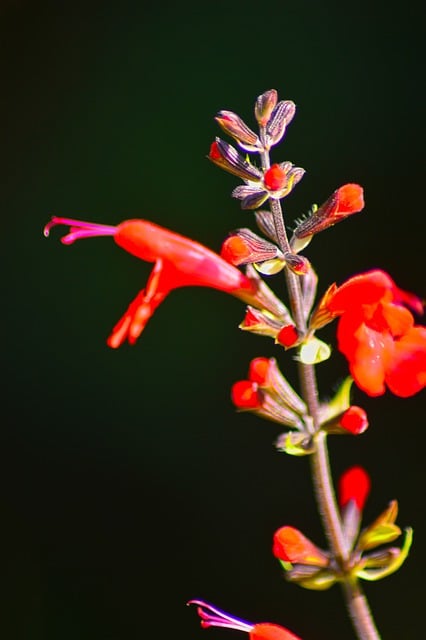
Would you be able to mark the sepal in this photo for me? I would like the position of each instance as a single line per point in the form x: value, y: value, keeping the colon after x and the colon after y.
x: 281, y: 116
x: 295, y: 443
x: 381, y: 564
x: 382, y: 530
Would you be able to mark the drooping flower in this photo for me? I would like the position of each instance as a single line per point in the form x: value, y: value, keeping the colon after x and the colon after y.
x: 377, y: 334
x: 178, y: 262
x: 214, y: 617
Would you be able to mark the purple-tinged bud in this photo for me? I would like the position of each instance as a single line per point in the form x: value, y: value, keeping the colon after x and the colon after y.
x: 227, y: 157
x: 281, y: 116
x: 234, y: 126
x: 298, y: 264
x: 245, y: 247
x: 251, y: 196
x: 264, y: 106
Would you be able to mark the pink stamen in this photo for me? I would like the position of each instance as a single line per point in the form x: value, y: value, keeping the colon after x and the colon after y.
x: 79, y: 229
x: 219, y: 618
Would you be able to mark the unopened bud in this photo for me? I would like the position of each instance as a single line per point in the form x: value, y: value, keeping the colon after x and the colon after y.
x: 265, y: 104
x: 281, y: 116
x: 244, y: 247
x: 288, y: 336
x: 342, y: 203
x: 298, y: 264
x: 227, y: 157
x: 234, y: 126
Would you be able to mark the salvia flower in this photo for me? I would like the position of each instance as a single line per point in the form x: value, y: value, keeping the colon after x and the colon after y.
x: 278, y: 182
x: 376, y: 333
x: 213, y: 617
x: 178, y: 262
x: 342, y: 203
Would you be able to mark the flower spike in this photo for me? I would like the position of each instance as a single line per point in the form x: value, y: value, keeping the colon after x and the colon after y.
x: 178, y: 262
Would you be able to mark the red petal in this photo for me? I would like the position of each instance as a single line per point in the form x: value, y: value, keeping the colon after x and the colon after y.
x: 406, y: 373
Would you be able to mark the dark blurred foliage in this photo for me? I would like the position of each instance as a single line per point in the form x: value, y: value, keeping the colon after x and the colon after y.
x: 128, y: 483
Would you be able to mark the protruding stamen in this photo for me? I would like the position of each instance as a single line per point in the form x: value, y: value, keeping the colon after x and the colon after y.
x: 79, y: 229
x: 219, y: 617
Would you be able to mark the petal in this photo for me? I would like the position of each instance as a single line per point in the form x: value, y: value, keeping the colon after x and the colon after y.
x: 133, y: 322
x: 364, y: 289
x: 406, y: 373
x: 269, y: 631
x: 392, y: 317
x: 368, y: 352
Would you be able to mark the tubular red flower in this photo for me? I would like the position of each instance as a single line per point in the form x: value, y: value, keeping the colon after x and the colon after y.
x: 354, y: 486
x: 178, y: 262
x: 214, y: 617
x: 377, y: 334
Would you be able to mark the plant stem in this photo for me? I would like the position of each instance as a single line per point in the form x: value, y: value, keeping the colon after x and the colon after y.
x: 356, y: 601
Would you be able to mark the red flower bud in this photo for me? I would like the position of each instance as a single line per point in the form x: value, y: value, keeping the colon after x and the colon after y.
x: 354, y: 485
x: 354, y: 420
x: 288, y: 336
x: 246, y: 395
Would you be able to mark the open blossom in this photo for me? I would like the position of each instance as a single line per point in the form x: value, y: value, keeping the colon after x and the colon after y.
x: 178, y: 262
x: 377, y: 334
x: 214, y: 617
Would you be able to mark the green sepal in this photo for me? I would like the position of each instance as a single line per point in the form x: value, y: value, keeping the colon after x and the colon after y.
x: 339, y: 403
x: 295, y: 443
x: 382, y: 530
x: 394, y: 563
x: 311, y: 577
x: 380, y: 534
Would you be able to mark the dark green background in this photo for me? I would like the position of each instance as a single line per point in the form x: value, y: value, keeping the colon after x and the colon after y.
x: 127, y: 482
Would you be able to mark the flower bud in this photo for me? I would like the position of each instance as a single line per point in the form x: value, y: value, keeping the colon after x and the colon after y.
x: 298, y: 264
x: 342, y: 203
x: 281, y: 116
x: 265, y: 104
x: 354, y: 485
x: 291, y: 546
x: 234, y: 126
x: 227, y: 157
x: 244, y: 247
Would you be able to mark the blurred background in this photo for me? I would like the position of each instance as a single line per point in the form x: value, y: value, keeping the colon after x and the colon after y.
x: 128, y: 483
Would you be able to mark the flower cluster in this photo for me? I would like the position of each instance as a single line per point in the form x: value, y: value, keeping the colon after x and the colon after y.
x: 313, y: 568
x: 376, y: 332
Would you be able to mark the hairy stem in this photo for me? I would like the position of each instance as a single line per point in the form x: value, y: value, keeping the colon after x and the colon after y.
x: 356, y: 601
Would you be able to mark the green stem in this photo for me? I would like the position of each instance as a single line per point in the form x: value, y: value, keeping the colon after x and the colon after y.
x: 356, y: 601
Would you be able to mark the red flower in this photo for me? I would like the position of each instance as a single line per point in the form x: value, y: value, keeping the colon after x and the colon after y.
x: 214, y: 617
x: 377, y: 334
x: 178, y: 262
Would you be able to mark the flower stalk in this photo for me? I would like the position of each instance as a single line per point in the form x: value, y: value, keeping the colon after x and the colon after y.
x: 356, y: 601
